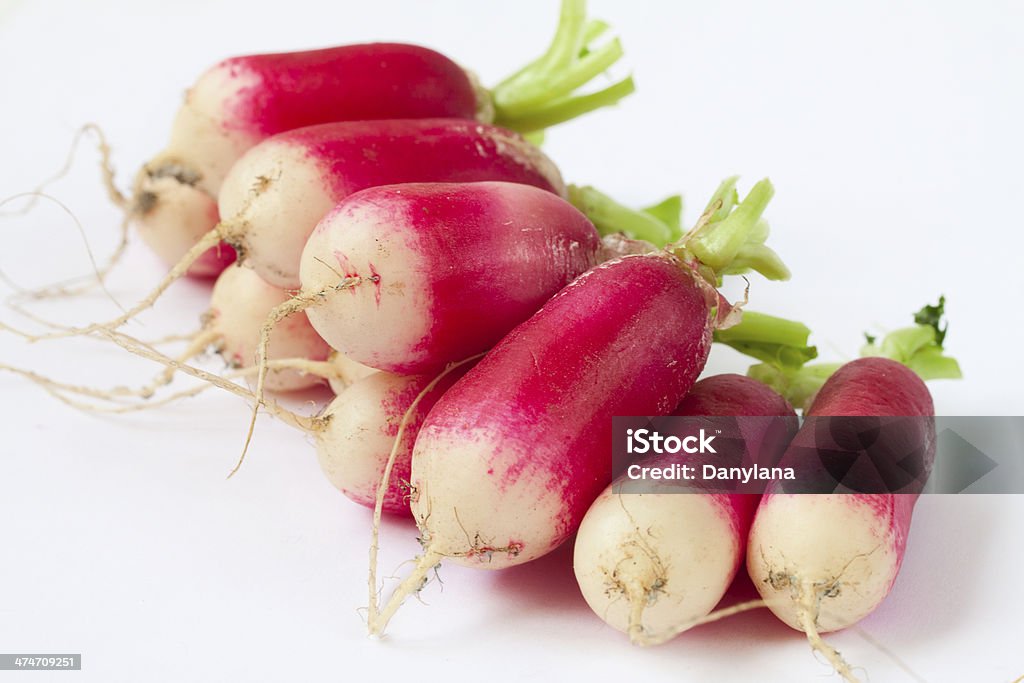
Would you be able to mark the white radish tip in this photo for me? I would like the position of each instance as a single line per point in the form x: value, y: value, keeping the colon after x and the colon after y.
x: 170, y: 212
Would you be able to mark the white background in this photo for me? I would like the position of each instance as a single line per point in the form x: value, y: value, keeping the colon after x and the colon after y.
x: 893, y: 134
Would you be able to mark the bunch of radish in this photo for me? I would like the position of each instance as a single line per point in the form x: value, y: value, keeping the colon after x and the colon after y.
x: 399, y: 235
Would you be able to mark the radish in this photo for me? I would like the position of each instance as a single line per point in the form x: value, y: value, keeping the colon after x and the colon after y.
x: 649, y: 560
x: 511, y: 457
x: 239, y: 304
x: 241, y: 101
x: 345, y: 371
x: 356, y: 433
x: 277, y: 193
x: 442, y: 271
x: 301, y: 175
x: 824, y: 562
x: 297, y: 356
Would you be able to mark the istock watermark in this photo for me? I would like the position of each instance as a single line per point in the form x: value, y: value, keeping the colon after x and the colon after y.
x: 640, y: 441
x: 863, y: 454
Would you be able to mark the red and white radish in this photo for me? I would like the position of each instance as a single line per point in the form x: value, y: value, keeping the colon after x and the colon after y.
x: 443, y: 271
x: 649, y: 561
x: 824, y: 562
x: 301, y: 175
x: 297, y: 357
x: 244, y: 100
x: 357, y: 431
x: 239, y: 304
x: 278, y: 192
x: 439, y: 271
x: 509, y: 460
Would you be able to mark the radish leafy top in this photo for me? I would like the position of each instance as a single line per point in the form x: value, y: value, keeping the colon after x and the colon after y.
x: 781, y: 346
x: 543, y: 93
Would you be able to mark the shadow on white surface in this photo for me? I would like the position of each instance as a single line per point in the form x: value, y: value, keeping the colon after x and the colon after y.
x: 546, y: 585
x: 941, y: 580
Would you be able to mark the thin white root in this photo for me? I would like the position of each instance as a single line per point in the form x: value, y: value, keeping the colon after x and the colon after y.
x: 172, y: 338
x: 727, y: 316
x: 122, y: 408
x: 106, y: 170
x: 871, y: 640
x: 138, y: 348
x: 117, y: 403
x: 299, y: 302
x: 98, y: 277
x: 52, y: 385
x: 196, y: 346
x: 636, y: 633
x: 208, y: 240
x: 377, y: 619
x: 13, y: 303
x: 59, y: 289
x: 808, y: 608
x: 645, y: 640
x: 83, y: 283
x: 317, y: 368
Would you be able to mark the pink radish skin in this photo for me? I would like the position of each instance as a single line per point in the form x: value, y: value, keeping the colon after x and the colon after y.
x: 833, y: 558
x: 649, y: 563
x: 357, y: 432
x: 512, y: 456
x: 213, y: 262
x: 734, y: 395
x: 301, y: 175
x: 277, y: 193
x: 448, y: 269
x: 244, y: 100
x: 239, y: 304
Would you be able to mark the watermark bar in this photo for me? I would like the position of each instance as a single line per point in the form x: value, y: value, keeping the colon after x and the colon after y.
x: 821, y: 454
x: 35, y: 662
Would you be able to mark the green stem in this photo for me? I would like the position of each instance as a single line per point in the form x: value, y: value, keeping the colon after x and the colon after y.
x: 729, y: 238
x: 918, y: 348
x: 670, y: 212
x: 761, y: 327
x: 931, y: 364
x: 541, y: 93
x: 568, y: 108
x: 797, y: 386
x: 568, y: 40
x: 760, y: 258
x: 778, y: 344
x: 723, y: 200
x: 564, y: 83
x: 716, y: 244
x: 610, y: 217
x: 594, y: 29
